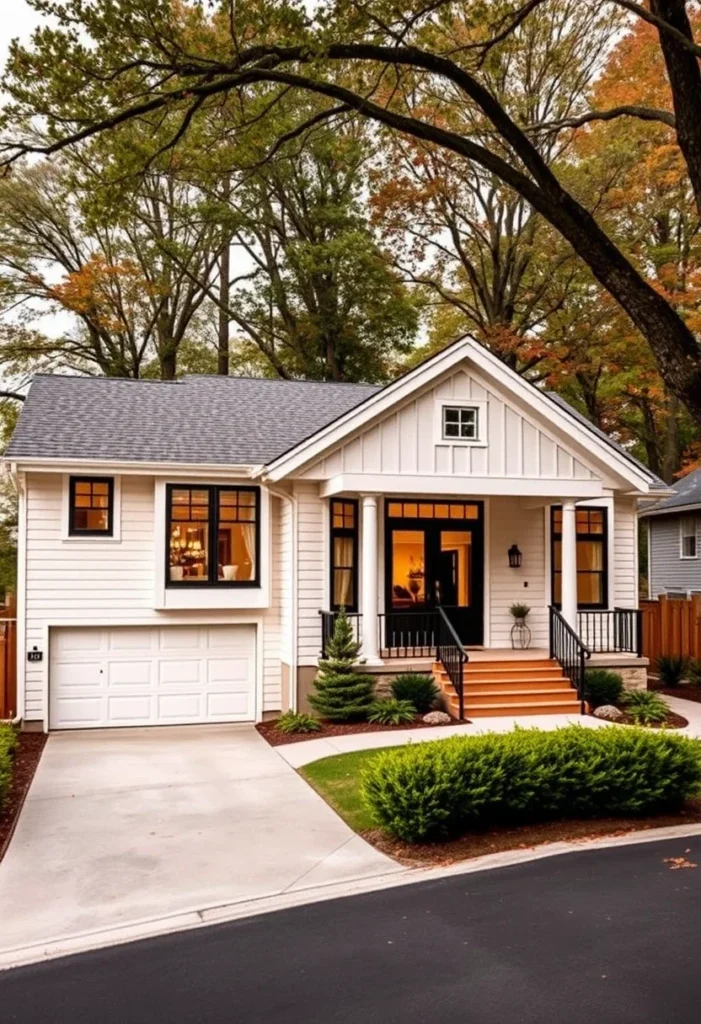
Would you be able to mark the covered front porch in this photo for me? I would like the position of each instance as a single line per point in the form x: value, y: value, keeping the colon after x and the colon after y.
x: 428, y: 583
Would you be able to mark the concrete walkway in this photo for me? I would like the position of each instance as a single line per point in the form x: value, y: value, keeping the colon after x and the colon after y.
x: 127, y: 825
x: 301, y: 753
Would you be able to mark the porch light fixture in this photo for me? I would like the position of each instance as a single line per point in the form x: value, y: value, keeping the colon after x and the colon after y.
x: 515, y: 557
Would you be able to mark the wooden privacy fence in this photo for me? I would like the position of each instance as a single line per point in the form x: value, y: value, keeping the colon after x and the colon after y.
x: 8, y: 659
x: 672, y: 626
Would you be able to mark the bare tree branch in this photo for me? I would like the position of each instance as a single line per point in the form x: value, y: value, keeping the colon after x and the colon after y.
x: 642, y: 113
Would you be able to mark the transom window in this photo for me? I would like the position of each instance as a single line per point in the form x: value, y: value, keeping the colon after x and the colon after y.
x: 460, y: 422
x: 344, y: 555
x: 91, y: 506
x: 687, y: 537
x: 432, y: 510
x: 592, y: 557
x: 213, y: 536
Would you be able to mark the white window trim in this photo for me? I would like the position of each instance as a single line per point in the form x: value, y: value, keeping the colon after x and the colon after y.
x: 71, y: 538
x: 682, y: 535
x: 480, y: 405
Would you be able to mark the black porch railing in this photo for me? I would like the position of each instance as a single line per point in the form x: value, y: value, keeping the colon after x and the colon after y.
x: 567, y: 648
x: 617, y: 631
x: 452, y: 656
x: 408, y: 634
x: 328, y: 621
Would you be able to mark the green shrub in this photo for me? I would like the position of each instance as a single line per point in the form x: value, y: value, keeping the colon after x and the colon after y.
x: 520, y: 611
x: 294, y: 721
x: 8, y: 742
x: 441, y: 789
x: 671, y: 669
x: 342, y: 692
x: 391, y: 712
x: 420, y: 690
x: 602, y: 687
x: 693, y: 672
x: 645, y: 707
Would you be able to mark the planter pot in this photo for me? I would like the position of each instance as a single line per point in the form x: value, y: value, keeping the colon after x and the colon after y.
x: 229, y: 571
x: 520, y: 635
x: 176, y: 572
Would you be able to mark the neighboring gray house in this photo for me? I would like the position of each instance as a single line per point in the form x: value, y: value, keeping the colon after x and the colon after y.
x: 674, y: 539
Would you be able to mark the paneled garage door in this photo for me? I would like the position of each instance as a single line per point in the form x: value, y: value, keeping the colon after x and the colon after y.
x: 151, y: 675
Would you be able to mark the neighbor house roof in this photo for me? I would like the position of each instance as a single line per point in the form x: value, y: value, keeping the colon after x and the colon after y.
x: 203, y: 419
x: 687, y: 495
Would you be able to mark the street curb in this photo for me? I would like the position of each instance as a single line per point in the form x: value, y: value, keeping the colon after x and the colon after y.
x: 188, y: 920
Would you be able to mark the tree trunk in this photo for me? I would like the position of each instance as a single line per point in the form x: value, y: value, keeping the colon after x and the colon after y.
x: 223, y: 333
x: 168, y: 361
x: 672, y: 454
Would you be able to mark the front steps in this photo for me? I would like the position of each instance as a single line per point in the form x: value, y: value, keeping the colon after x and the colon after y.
x: 510, y: 687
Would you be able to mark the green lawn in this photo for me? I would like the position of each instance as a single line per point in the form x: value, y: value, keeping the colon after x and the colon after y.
x: 337, y: 779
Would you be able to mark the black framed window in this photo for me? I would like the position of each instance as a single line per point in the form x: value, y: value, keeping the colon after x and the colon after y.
x: 592, y: 556
x: 91, y: 506
x: 460, y: 422
x: 213, y: 536
x: 344, y: 554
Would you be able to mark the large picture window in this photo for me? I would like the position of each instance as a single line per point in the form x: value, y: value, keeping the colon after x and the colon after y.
x: 592, y: 556
x: 213, y: 536
x: 91, y: 506
x: 344, y: 555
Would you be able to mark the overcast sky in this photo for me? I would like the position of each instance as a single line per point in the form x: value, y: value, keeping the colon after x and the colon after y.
x: 17, y: 20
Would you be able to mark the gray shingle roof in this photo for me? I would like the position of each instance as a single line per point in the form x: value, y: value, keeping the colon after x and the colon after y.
x: 217, y: 420
x: 604, y: 437
x: 686, y: 492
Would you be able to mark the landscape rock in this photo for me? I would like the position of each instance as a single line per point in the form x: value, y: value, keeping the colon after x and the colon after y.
x: 436, y: 718
x: 609, y: 713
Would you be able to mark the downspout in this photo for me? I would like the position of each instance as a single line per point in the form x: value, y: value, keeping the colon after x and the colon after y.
x: 291, y: 498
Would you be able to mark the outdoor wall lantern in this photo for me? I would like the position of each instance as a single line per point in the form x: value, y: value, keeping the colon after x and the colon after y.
x: 515, y: 557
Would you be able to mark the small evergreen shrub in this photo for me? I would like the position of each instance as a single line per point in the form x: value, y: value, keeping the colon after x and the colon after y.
x: 520, y: 611
x: 442, y: 789
x: 391, y: 712
x: 645, y: 707
x: 342, y: 693
x: 602, y: 687
x: 297, y: 721
x: 420, y: 690
x: 8, y: 742
x: 671, y: 669
x: 693, y: 672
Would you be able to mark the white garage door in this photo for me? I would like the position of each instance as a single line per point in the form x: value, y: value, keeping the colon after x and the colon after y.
x: 151, y: 675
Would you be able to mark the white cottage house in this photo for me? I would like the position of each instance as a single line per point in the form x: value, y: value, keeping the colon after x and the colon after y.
x: 184, y: 546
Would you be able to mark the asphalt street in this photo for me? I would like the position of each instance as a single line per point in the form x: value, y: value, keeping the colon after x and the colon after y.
x: 602, y: 936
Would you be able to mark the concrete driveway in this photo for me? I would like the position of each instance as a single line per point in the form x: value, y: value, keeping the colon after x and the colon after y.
x: 127, y: 825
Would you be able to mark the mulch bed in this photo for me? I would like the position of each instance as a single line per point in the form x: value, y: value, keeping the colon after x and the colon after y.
x: 27, y: 755
x: 276, y: 738
x: 523, y: 837
x: 672, y: 721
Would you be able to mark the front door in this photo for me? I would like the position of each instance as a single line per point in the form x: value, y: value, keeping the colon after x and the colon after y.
x: 434, y: 556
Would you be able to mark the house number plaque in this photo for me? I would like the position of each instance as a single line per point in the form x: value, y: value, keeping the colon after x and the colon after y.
x: 35, y: 655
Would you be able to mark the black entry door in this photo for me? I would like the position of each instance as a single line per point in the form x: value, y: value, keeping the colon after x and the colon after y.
x: 432, y: 561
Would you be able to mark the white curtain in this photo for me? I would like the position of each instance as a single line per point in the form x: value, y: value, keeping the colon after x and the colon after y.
x: 248, y: 535
x: 343, y: 572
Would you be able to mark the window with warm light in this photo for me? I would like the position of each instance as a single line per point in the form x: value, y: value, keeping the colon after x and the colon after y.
x: 91, y: 506
x: 592, y: 556
x: 213, y: 536
x: 344, y: 555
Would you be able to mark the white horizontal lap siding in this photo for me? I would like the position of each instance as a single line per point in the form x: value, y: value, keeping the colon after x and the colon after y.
x: 511, y: 523
x: 285, y: 569
x: 405, y: 442
x: 624, y: 585
x: 103, y: 583
x: 311, y: 590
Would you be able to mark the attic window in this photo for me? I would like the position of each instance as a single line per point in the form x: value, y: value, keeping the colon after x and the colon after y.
x: 460, y: 423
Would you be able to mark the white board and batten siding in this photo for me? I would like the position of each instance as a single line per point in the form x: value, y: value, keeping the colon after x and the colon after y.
x: 110, y: 583
x: 406, y: 442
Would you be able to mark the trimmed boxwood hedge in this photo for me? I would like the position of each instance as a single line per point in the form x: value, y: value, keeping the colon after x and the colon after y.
x: 442, y: 789
x: 8, y: 742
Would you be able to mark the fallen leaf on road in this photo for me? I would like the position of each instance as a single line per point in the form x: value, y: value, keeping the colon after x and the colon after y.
x: 675, y: 863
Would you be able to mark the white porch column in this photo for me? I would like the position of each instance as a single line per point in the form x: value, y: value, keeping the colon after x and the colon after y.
x: 369, y: 597
x: 569, y: 563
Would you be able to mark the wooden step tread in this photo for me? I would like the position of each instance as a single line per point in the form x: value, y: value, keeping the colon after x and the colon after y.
x: 474, y: 694
x: 543, y: 705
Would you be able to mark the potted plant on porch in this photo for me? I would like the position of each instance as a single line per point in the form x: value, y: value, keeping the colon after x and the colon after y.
x: 520, y: 633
